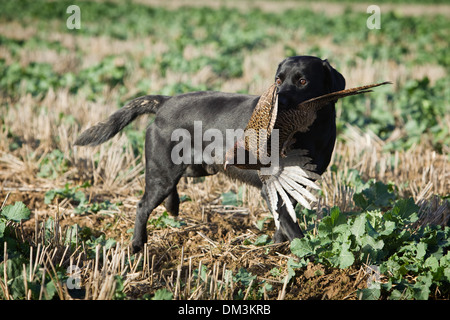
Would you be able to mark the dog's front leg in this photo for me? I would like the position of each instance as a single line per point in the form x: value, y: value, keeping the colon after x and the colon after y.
x: 288, y: 230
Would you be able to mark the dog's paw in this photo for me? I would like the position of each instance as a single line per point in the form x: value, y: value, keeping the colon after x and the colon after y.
x: 137, y: 246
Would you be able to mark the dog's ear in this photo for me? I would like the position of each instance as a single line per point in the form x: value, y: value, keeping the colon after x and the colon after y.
x: 334, y: 80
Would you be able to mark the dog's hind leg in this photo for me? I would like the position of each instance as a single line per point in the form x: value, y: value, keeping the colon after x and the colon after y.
x: 161, y: 179
x: 156, y: 190
x: 172, y: 203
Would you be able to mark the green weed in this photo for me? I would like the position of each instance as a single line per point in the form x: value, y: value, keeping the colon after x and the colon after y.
x: 382, y: 235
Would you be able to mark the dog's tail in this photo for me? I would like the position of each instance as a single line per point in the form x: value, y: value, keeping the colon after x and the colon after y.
x: 105, y: 130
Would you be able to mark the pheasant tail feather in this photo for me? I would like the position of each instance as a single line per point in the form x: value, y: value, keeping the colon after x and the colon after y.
x: 333, y: 96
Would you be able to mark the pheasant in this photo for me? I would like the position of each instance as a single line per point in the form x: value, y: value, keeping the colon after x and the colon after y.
x: 296, y: 172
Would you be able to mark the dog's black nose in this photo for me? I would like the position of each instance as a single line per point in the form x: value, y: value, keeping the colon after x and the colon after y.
x: 284, y: 99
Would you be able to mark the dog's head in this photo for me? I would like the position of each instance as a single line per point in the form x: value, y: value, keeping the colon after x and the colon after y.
x: 304, y: 77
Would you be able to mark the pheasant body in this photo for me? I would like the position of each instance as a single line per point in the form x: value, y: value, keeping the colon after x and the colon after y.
x: 295, y: 173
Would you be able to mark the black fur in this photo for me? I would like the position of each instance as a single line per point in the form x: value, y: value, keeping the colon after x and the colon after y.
x: 221, y: 111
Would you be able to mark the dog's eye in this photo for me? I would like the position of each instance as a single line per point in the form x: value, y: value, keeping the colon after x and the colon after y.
x: 278, y: 81
x: 302, y: 81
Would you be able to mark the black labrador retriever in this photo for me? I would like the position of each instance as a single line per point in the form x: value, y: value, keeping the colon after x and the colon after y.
x: 298, y: 78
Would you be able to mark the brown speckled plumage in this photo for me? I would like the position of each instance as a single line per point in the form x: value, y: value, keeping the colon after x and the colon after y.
x: 262, y: 121
x: 294, y: 175
x: 263, y: 118
x: 289, y: 121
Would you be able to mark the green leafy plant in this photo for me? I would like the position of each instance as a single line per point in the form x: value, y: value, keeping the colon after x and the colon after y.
x: 42, y: 286
x: 53, y: 165
x: 16, y: 212
x: 162, y: 294
x: 232, y: 198
x: 10, y: 217
x: 66, y: 192
x: 15, y: 264
x: 25, y: 279
x: 95, y: 207
x: 165, y: 220
x: 79, y: 198
x: 382, y: 235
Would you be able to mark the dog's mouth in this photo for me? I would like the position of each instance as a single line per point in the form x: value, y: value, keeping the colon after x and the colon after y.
x: 286, y: 104
x: 290, y: 99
